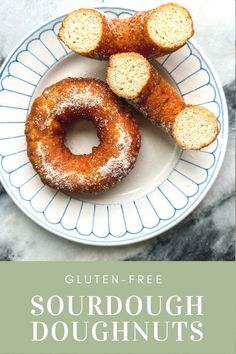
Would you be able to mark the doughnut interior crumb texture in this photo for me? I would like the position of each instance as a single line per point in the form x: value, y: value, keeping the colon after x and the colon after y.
x: 195, y: 127
x: 170, y: 26
x: 127, y: 74
x: 82, y: 30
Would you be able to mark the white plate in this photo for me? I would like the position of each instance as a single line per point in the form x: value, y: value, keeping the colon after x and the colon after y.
x: 166, y: 183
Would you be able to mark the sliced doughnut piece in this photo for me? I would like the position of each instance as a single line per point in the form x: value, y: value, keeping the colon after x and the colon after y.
x: 132, y: 77
x: 194, y: 127
x: 82, y: 30
x: 170, y: 26
x: 150, y: 33
x: 128, y: 74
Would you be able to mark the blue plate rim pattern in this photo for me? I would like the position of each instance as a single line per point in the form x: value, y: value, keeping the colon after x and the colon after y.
x: 174, y: 221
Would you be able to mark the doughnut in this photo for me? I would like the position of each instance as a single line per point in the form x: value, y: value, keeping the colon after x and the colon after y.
x: 132, y: 77
x: 151, y: 33
x: 50, y: 116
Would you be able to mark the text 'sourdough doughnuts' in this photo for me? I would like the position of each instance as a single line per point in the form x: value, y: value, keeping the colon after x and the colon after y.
x: 132, y: 77
x: 108, y: 163
x: 151, y: 33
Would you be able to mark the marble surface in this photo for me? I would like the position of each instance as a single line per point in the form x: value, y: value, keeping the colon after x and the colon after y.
x: 208, y: 232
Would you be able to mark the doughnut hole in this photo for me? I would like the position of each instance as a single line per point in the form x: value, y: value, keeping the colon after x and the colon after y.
x: 81, y: 137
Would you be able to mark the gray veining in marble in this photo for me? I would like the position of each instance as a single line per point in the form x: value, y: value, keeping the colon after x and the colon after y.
x: 208, y: 232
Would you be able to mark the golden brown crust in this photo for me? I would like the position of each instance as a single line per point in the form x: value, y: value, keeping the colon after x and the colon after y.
x: 159, y: 102
x: 128, y: 35
x: 46, y: 125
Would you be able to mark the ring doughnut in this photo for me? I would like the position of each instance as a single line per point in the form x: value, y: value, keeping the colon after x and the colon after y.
x: 59, y: 105
x: 151, y: 33
x: 132, y: 77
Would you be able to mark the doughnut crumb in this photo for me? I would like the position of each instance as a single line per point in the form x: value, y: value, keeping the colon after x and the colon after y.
x: 195, y: 127
x: 127, y: 74
x: 82, y: 30
x: 170, y: 26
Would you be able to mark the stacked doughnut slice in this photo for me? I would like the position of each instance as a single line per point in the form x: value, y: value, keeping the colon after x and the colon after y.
x: 127, y: 44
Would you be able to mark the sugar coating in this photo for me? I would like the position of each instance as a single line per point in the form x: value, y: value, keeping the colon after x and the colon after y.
x: 117, y: 166
x: 56, y: 174
x: 73, y: 98
x: 122, y: 162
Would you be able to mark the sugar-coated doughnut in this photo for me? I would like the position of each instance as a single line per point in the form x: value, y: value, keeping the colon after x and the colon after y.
x: 132, y: 77
x: 108, y: 163
x: 151, y: 33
